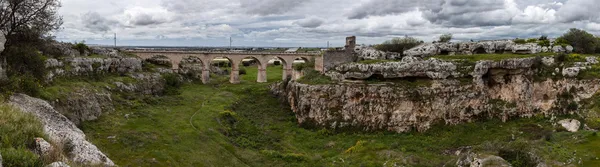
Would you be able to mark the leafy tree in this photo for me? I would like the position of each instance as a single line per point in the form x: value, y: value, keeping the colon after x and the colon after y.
x: 582, y: 41
x: 446, y: 37
x: 38, y: 15
x: 543, y: 38
x: 398, y: 45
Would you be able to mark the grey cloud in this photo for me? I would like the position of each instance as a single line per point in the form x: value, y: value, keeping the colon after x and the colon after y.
x: 96, y: 22
x: 145, y: 19
x: 309, y: 22
x: 579, y: 10
x: 270, y: 7
x: 387, y: 7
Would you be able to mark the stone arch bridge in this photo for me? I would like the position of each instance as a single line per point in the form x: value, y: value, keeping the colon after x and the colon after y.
x: 236, y: 58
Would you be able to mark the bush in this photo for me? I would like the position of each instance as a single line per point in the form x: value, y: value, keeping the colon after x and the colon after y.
x: 532, y: 40
x: 446, y: 37
x: 582, y: 41
x: 543, y: 38
x: 81, y: 47
x: 243, y: 71
x: 172, y: 84
x: 25, y: 60
x: 520, y: 41
x: 398, y: 45
x: 277, y: 63
x: 544, y: 43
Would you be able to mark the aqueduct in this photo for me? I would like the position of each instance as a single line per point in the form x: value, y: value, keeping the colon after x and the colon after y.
x: 236, y: 59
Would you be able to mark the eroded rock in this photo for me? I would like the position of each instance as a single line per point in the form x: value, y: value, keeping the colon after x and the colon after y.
x: 42, y: 147
x: 60, y: 129
x: 58, y: 164
x: 572, y: 125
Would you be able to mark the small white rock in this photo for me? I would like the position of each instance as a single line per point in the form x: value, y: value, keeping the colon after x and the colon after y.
x: 572, y: 125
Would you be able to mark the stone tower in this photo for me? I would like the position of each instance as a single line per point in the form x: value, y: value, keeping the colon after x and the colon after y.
x: 350, y: 43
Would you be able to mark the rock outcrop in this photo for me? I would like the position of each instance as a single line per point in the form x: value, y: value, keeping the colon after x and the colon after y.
x: 80, y: 66
x: 571, y: 125
x: 482, y: 47
x: 416, y: 93
x: 60, y: 129
x: 84, y: 104
x: 370, y: 53
x: 482, y: 160
x: 408, y: 67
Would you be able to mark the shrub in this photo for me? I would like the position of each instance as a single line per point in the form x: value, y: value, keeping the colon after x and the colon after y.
x: 561, y: 57
x: 398, y: 45
x: 277, y: 63
x: 544, y: 43
x: 543, y: 38
x: 520, y: 41
x: 172, y: 84
x: 81, y: 47
x: 446, y: 37
x: 25, y: 60
x: 243, y: 71
x: 312, y: 76
x: 532, y: 40
x: 582, y: 41
x: 228, y: 116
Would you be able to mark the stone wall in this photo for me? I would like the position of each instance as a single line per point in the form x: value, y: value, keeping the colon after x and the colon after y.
x: 334, y: 58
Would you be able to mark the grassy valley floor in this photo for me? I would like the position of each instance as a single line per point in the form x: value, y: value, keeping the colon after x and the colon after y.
x: 222, y: 124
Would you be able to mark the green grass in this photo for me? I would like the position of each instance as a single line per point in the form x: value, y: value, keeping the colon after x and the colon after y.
x: 18, y: 131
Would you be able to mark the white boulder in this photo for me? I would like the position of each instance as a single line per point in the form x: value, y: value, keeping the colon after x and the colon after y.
x: 58, y: 164
x: 572, y: 125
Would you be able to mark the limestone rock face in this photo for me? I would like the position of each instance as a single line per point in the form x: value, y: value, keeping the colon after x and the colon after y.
x: 60, y: 129
x: 502, y: 92
x: 84, y: 105
x: 147, y: 84
x: 369, y: 53
x: 112, y: 53
x: 423, y: 50
x: 572, y: 125
x: 408, y: 67
x: 482, y: 47
x: 85, y: 66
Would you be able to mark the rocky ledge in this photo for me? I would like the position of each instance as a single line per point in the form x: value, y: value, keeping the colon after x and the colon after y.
x: 60, y: 129
x: 414, y: 94
x: 483, y: 47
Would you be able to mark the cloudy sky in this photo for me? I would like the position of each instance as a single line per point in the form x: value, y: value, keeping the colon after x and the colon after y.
x: 311, y: 23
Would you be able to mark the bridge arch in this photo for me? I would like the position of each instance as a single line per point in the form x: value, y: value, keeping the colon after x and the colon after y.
x: 260, y: 63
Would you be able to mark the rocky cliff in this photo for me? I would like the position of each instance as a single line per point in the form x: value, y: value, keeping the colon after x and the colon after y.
x: 416, y: 94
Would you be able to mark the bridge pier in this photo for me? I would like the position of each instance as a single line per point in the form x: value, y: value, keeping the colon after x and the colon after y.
x: 234, y: 77
x: 262, y: 76
x: 205, y: 76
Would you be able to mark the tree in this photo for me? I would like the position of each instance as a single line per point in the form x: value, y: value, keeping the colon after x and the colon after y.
x: 39, y: 16
x: 398, y: 45
x: 582, y: 41
x: 446, y: 37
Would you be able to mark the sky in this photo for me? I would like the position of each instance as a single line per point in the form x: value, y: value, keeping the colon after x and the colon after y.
x: 312, y: 23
